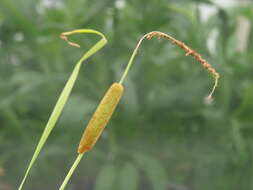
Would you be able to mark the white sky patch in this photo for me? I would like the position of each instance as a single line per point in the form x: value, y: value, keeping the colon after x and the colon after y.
x: 242, y: 33
x: 52, y: 4
x: 226, y: 3
x: 211, y: 41
x: 206, y: 11
x: 14, y: 60
x: 19, y: 37
x: 120, y: 4
x: 49, y: 4
x: 231, y: 3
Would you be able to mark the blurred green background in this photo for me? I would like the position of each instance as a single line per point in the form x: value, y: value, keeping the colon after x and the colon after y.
x: 163, y: 135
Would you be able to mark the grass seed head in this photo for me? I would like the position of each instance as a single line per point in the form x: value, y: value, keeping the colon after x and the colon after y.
x: 191, y: 52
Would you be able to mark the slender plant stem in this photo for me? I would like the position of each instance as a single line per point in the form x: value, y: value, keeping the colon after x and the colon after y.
x: 71, y: 171
x: 130, y: 62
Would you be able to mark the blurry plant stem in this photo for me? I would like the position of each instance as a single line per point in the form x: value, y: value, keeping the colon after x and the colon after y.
x: 14, y: 122
x: 113, y: 146
x: 238, y: 140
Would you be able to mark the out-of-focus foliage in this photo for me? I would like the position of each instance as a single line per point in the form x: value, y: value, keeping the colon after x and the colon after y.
x: 163, y: 134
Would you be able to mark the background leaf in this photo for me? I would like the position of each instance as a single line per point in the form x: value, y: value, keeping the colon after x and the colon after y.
x: 153, y: 169
x: 128, y: 177
x: 106, y: 178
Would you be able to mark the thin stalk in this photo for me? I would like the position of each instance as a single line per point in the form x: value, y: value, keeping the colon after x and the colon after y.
x: 71, y: 171
x: 130, y: 62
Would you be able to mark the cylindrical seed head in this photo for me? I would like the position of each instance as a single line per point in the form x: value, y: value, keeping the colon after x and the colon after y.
x: 101, y: 117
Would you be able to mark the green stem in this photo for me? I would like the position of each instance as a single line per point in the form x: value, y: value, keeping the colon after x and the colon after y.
x: 71, y: 171
x: 130, y: 62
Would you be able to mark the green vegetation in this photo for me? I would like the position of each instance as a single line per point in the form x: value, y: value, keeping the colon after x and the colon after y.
x: 163, y: 134
x: 65, y: 92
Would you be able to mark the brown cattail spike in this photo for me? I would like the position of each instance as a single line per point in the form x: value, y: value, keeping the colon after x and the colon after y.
x: 100, y: 118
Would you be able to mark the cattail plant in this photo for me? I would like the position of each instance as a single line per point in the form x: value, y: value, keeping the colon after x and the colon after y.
x: 96, y: 125
x: 100, y: 118
x: 109, y: 102
x: 65, y: 92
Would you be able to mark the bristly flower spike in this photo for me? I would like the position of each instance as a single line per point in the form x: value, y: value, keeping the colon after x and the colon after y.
x: 186, y: 48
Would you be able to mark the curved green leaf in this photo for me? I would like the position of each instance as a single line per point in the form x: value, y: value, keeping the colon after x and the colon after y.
x: 64, y: 96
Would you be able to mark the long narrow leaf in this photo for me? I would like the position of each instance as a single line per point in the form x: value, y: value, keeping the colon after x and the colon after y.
x: 65, y: 93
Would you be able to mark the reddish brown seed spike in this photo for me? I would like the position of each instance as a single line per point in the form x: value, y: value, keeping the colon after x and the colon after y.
x: 100, y: 118
x: 188, y: 51
x: 183, y: 46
